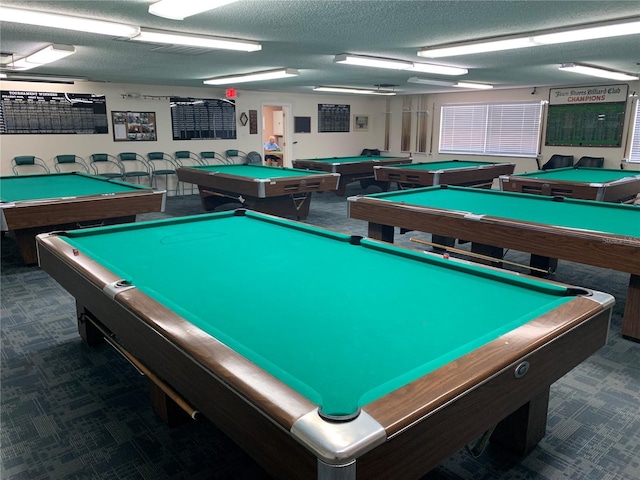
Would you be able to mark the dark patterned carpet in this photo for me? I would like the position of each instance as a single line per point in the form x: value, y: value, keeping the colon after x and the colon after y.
x: 73, y: 412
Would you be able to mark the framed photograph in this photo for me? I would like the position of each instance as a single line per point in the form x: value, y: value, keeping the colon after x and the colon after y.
x: 134, y: 126
x: 360, y: 123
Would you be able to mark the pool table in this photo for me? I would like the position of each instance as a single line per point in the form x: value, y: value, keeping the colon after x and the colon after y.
x: 32, y: 204
x: 604, y: 185
x: 278, y: 191
x: 448, y: 172
x: 351, y: 169
x: 601, y: 234
x: 327, y: 385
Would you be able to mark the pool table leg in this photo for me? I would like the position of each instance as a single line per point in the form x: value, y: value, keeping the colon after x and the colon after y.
x: 487, y: 251
x: 631, y: 318
x: 336, y: 472
x: 543, y: 263
x: 377, y: 231
x: 166, y: 408
x: 88, y: 331
x: 523, y: 429
x: 163, y: 405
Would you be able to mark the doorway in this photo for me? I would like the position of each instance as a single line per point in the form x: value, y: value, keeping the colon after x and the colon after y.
x: 275, y: 122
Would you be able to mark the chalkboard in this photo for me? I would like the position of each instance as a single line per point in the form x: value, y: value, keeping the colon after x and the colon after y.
x: 333, y: 118
x: 24, y: 112
x: 203, y: 119
x: 586, y: 124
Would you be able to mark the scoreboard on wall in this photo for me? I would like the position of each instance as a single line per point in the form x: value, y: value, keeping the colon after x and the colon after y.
x: 586, y: 116
x: 23, y: 112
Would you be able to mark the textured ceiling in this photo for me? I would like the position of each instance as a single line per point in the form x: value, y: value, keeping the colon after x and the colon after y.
x: 307, y: 34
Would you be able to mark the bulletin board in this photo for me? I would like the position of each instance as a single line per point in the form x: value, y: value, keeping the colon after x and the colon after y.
x: 134, y: 126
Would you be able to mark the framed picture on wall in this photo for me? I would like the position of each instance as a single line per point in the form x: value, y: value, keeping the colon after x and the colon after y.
x: 134, y: 126
x: 360, y: 123
x: 301, y: 124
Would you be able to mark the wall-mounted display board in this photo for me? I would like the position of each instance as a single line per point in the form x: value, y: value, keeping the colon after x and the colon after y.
x: 253, y: 122
x: 24, y: 112
x: 586, y: 116
x: 301, y: 124
x: 203, y: 119
x: 134, y: 126
x: 333, y: 118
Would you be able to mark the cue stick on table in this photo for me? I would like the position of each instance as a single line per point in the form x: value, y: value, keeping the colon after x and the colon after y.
x: 175, y: 396
x: 477, y: 255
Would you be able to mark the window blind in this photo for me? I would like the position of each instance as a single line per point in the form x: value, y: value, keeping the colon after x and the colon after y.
x: 510, y: 129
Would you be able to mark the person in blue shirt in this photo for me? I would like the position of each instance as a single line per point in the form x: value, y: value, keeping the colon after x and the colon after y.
x: 271, y: 144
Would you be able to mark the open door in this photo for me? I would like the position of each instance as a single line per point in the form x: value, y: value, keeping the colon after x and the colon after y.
x: 275, y: 123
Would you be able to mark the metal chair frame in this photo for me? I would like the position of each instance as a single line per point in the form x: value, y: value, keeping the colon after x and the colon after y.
x: 70, y: 163
x: 102, y: 164
x: 134, y: 166
x: 162, y: 164
x: 233, y: 153
x: 30, y: 162
x: 185, y: 158
x: 212, y: 158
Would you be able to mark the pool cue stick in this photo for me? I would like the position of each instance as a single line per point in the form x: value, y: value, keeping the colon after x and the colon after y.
x: 477, y: 255
x: 175, y: 396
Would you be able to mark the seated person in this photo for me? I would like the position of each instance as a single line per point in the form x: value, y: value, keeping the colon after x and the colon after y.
x: 271, y: 144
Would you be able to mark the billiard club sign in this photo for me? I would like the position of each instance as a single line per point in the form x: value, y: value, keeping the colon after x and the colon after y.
x: 594, y: 94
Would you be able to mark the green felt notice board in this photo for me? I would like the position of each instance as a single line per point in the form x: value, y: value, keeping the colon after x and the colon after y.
x: 586, y: 124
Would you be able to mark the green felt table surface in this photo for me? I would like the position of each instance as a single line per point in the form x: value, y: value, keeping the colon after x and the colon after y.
x: 59, y: 185
x: 285, y: 296
x: 260, y: 172
x: 354, y: 159
x: 603, y: 217
x: 586, y: 175
x: 445, y: 165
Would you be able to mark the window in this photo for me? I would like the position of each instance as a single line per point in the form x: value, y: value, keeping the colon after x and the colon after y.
x: 422, y: 117
x: 510, y: 129
x: 405, y: 140
x: 634, y: 154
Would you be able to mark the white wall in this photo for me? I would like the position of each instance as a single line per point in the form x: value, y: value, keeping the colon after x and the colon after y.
x: 47, y: 146
x: 612, y: 155
x: 304, y: 145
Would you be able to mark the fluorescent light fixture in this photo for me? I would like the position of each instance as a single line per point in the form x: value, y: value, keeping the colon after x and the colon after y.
x: 615, y: 28
x: 180, y: 9
x: 28, y: 77
x: 204, y: 41
x: 51, y: 54
x: 21, y: 64
x: 253, y: 77
x: 476, y: 47
x: 596, y: 71
x: 358, y: 91
x: 364, y: 61
x: 3, y: 75
x: 391, y: 64
x: 428, y: 81
x: 477, y: 86
x: 48, y: 54
x: 67, y: 22
x: 439, y: 69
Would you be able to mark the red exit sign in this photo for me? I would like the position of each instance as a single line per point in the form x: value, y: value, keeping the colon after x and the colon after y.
x: 231, y: 93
